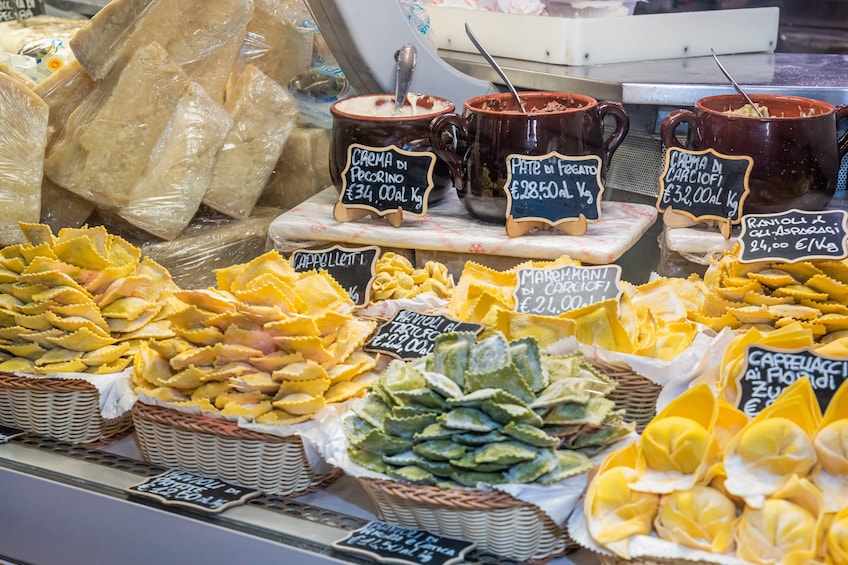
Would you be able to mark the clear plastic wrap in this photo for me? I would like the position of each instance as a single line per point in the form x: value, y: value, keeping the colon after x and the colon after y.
x: 175, y: 180
x: 302, y: 171
x: 190, y: 30
x: 23, y: 122
x: 213, y: 72
x: 276, y: 42
x: 62, y: 208
x: 211, y: 243
x: 10, y: 66
x: 63, y: 92
x: 133, y: 145
x: 109, y: 137
x: 263, y: 117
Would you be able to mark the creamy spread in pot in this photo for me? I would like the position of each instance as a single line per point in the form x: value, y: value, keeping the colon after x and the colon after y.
x: 382, y: 106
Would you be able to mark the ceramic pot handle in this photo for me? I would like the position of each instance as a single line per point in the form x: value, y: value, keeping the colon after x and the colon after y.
x: 842, y: 142
x: 668, y: 127
x: 622, y: 126
x: 449, y: 133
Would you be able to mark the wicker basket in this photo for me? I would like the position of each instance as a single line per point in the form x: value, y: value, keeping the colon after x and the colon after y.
x: 635, y: 393
x: 62, y: 409
x: 220, y: 449
x: 499, y: 523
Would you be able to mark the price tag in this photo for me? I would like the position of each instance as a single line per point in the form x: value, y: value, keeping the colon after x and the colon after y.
x: 193, y: 491
x: 768, y: 371
x: 354, y: 269
x: 550, y: 291
x: 20, y: 9
x: 704, y: 185
x: 409, y: 334
x: 792, y: 236
x: 7, y: 433
x: 384, y: 181
x: 552, y: 189
x: 392, y: 544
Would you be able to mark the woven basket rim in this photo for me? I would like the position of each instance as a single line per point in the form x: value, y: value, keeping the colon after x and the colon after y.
x: 203, y: 424
x: 460, y: 498
x: 50, y: 384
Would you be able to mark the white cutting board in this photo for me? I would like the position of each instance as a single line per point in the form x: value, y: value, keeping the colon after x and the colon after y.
x: 593, y: 41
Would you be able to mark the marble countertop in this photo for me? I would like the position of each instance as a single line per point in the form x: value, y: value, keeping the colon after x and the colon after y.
x: 448, y: 227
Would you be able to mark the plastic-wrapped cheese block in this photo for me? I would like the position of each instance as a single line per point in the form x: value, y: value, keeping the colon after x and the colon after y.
x: 302, y: 171
x: 108, y: 139
x: 170, y: 189
x: 63, y: 91
x: 263, y: 117
x: 23, y: 123
x: 215, y: 69
x: 274, y: 43
x: 188, y: 29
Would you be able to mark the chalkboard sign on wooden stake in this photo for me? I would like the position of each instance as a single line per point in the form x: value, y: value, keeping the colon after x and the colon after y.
x: 410, y: 334
x: 550, y: 291
x: 768, y: 371
x: 703, y: 185
x: 384, y: 182
x: 393, y: 544
x: 794, y: 235
x: 21, y: 10
x: 552, y: 190
x: 353, y: 268
x: 181, y: 488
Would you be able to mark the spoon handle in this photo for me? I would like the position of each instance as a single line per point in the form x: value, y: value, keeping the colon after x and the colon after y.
x: 495, y: 66
x: 406, y: 58
x: 736, y: 84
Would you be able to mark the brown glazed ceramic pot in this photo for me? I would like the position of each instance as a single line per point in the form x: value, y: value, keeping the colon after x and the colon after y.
x: 492, y: 127
x: 410, y: 133
x: 796, y: 150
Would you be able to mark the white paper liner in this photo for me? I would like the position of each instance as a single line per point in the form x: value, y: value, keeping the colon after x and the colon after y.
x: 644, y: 546
x: 834, y: 489
x: 116, y: 396
x: 675, y: 376
x: 424, y: 303
x: 750, y: 483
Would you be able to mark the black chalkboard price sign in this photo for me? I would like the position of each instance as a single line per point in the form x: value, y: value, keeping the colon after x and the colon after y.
x: 410, y: 334
x: 704, y: 184
x: 354, y: 269
x: 768, y: 371
x: 795, y: 235
x: 192, y: 491
x: 7, y: 433
x: 553, y: 187
x: 550, y: 291
x: 393, y: 544
x: 20, y: 10
x: 385, y: 180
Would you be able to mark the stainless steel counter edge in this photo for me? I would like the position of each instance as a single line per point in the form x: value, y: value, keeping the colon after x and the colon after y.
x: 58, y: 509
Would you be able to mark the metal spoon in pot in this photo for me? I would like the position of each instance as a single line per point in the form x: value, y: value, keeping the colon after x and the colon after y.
x: 406, y: 58
x: 736, y: 84
x: 495, y: 66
